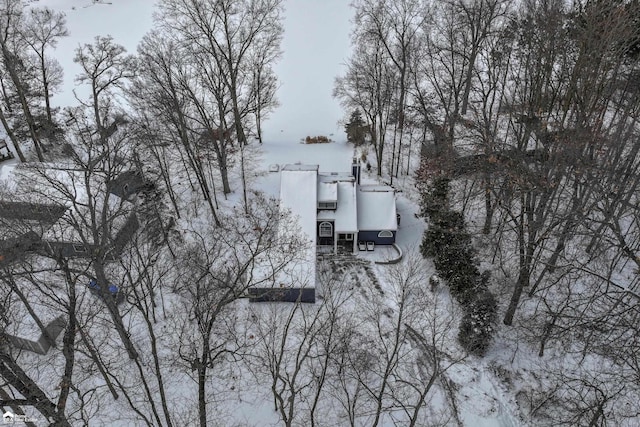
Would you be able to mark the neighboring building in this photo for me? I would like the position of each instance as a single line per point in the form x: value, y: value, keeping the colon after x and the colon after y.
x: 54, y: 219
x: 129, y: 183
x: 34, y: 340
x: 334, y: 212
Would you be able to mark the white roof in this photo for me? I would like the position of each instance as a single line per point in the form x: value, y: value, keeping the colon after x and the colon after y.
x: 376, y: 208
x: 301, y: 168
x: 327, y: 191
x: 345, y: 217
x: 298, y: 194
x: 51, y: 183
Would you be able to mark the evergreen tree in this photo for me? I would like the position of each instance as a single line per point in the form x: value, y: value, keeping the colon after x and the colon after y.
x: 356, y: 129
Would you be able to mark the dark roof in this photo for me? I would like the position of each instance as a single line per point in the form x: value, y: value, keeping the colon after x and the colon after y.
x: 31, y: 211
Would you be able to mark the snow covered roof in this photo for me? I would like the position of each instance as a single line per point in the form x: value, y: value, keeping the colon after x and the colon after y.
x: 345, y: 216
x: 55, y: 195
x: 76, y: 222
x: 300, y: 168
x: 376, y: 208
x: 298, y: 194
x: 49, y: 183
x: 328, y: 185
x: 327, y: 191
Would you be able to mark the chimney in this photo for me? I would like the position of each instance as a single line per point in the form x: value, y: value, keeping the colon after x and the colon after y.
x: 355, y: 170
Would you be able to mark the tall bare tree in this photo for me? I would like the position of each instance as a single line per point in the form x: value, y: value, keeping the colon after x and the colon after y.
x: 18, y: 82
x: 42, y: 30
x: 396, y: 26
x: 223, y: 262
x: 369, y: 84
x: 228, y: 32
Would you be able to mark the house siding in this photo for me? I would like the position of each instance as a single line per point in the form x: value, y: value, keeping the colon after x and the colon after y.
x: 372, y: 236
x: 282, y: 295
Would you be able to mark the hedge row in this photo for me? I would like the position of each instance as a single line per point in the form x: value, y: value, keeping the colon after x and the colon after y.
x: 447, y: 241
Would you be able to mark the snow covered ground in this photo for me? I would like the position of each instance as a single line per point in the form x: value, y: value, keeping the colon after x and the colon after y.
x: 315, y: 45
x: 483, y: 399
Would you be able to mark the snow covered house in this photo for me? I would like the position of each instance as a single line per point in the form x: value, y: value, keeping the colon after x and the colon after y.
x: 349, y: 212
x: 334, y: 213
x: 339, y: 212
x: 48, y: 210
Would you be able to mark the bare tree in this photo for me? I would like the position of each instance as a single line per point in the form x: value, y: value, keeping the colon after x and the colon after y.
x: 295, y: 349
x: 218, y: 268
x: 403, y: 351
x: 263, y: 88
x: 369, y: 84
x: 227, y: 33
x: 105, y: 68
x: 396, y: 27
x: 160, y: 89
x: 19, y: 83
x: 42, y: 30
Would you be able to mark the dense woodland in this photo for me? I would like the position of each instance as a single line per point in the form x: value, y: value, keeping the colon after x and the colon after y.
x: 512, y: 124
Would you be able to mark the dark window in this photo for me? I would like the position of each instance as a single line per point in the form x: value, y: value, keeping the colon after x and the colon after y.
x: 326, y: 205
x: 326, y: 229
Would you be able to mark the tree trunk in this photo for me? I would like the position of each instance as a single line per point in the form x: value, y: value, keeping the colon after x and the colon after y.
x: 15, y: 288
x: 9, y: 59
x: 523, y: 274
x: 202, y: 395
x: 96, y: 358
x: 45, y: 85
x: 110, y: 302
x: 12, y: 136
x: 523, y: 280
x: 11, y: 372
x: 68, y: 341
x: 488, y: 206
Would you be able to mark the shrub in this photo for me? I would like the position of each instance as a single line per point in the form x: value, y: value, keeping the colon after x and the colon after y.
x: 478, y: 323
x: 447, y: 241
x: 320, y: 139
x: 434, y: 200
x: 446, y: 229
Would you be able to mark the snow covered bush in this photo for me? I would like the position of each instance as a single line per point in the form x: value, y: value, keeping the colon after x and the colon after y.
x: 478, y: 323
x: 434, y: 200
x: 447, y: 241
x: 320, y: 139
x: 450, y: 246
x: 446, y: 229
